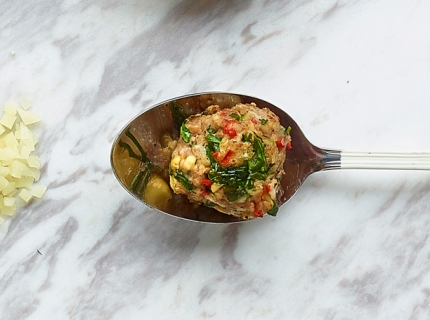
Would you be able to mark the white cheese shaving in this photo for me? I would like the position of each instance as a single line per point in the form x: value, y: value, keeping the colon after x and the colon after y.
x: 25, y: 195
x: 25, y: 103
x: 19, y: 166
x: 27, y: 117
x: 38, y: 191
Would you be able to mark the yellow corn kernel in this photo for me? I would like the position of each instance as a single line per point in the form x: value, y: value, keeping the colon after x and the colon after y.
x: 215, y: 187
x: 189, y: 163
x: 174, y: 164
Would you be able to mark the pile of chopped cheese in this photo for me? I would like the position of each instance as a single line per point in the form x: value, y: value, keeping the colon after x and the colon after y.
x: 19, y: 166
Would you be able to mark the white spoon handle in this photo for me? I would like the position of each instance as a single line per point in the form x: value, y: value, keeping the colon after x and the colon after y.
x: 385, y: 160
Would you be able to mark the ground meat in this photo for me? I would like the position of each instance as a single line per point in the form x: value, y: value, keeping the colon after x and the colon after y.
x: 231, y: 159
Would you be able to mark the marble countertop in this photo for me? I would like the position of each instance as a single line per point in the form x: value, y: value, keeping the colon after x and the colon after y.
x: 351, y: 244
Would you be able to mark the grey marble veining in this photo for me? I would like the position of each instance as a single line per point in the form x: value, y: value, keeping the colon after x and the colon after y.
x: 350, y: 245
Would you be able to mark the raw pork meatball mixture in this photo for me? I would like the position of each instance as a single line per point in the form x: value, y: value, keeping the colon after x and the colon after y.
x: 231, y: 160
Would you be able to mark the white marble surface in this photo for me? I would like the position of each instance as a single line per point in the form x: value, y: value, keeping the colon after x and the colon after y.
x: 350, y: 245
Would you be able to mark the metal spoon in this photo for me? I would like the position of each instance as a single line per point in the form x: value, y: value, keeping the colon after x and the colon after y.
x: 151, y: 132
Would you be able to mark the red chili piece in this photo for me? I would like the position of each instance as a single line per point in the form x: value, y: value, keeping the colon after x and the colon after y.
x: 228, y: 128
x: 281, y: 143
x: 289, y: 146
x: 258, y: 213
x: 206, y: 182
x: 266, y: 191
x: 215, y: 155
x: 224, y: 162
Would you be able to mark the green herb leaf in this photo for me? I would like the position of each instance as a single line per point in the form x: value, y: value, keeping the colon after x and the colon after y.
x: 259, y: 175
x: 211, y: 130
x: 234, y: 195
x: 237, y: 116
x: 131, y: 153
x: 180, y: 176
x: 234, y: 180
x: 274, y: 210
x: 185, y: 133
x: 258, y: 162
x: 144, y: 182
x: 213, y: 142
x: 178, y: 112
x: 137, y: 178
x: 239, y: 180
x: 138, y: 146
x: 288, y: 130
x: 247, y: 137
x: 209, y: 150
x: 263, y: 121
x: 140, y: 181
x: 209, y: 204
x: 212, y: 138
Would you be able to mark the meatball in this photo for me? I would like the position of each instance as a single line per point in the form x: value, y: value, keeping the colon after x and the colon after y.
x: 231, y: 159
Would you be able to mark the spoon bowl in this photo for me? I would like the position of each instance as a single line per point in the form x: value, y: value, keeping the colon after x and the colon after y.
x: 157, y: 124
x: 152, y: 132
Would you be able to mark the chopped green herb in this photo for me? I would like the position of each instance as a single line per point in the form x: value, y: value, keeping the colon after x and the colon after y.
x: 141, y: 179
x: 239, y: 180
x: 209, y: 204
x: 138, y: 146
x: 274, y: 210
x: 260, y: 175
x: 237, y: 116
x: 213, y: 142
x: 209, y: 149
x: 257, y: 164
x: 247, y: 137
x: 286, y: 130
x: 178, y: 112
x: 211, y: 130
x: 180, y: 176
x: 144, y: 182
x: 137, y: 178
x: 131, y: 153
x: 234, y: 180
x: 263, y: 121
x: 185, y: 133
